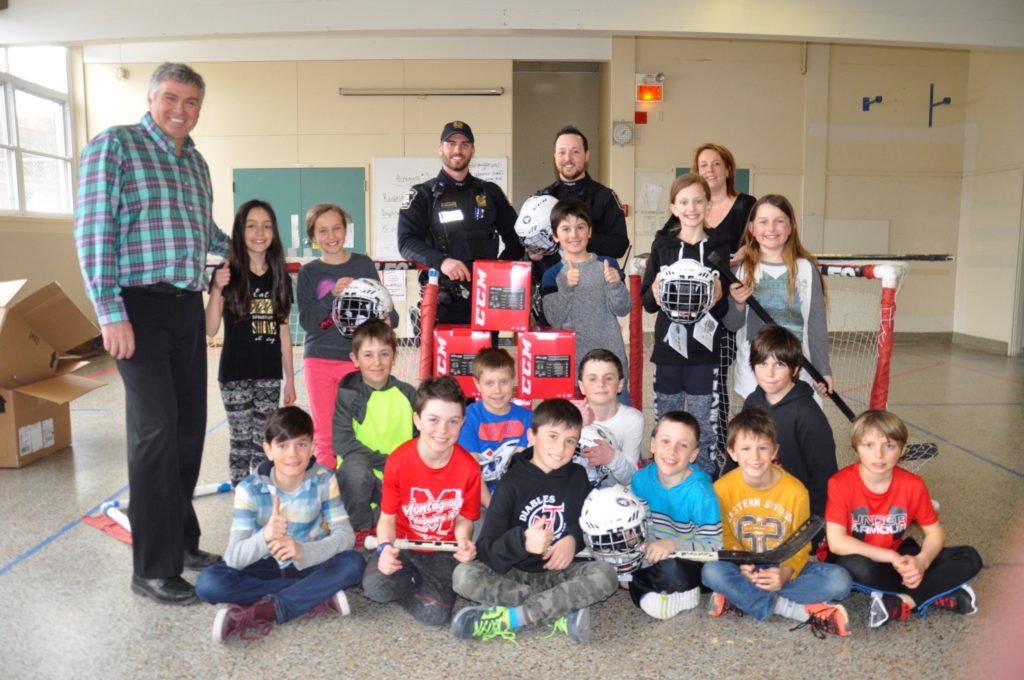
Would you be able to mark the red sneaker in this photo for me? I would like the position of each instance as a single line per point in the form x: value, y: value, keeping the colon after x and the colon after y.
x: 242, y: 620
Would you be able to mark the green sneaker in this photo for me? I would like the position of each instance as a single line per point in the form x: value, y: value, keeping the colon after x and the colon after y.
x: 575, y: 624
x: 483, y: 622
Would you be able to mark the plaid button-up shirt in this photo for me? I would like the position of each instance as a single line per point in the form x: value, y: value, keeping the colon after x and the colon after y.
x: 144, y: 215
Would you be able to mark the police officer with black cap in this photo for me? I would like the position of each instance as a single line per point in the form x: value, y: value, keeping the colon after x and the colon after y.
x: 453, y: 219
x: 608, y: 234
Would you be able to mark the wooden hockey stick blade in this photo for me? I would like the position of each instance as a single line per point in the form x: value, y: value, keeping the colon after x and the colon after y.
x: 919, y: 452
x: 726, y: 273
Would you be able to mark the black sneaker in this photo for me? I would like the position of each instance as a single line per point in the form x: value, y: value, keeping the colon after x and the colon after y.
x: 885, y: 608
x: 962, y: 601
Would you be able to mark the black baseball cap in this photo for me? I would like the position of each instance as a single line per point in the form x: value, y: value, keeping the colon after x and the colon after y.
x: 457, y: 127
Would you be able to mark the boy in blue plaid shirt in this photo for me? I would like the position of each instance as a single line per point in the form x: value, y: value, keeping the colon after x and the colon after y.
x: 281, y: 562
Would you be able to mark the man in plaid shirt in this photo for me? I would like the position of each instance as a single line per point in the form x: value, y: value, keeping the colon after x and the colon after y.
x: 143, y: 227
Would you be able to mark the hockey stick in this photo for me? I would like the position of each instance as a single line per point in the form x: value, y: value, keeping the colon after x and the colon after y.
x: 777, y: 555
x: 915, y: 452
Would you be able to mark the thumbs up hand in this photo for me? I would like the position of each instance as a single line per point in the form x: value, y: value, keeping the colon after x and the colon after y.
x: 277, y: 525
x: 610, y: 274
x: 222, y: 275
x: 572, y: 277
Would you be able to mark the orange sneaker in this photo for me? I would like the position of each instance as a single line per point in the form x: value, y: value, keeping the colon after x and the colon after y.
x: 720, y: 606
x: 826, y: 619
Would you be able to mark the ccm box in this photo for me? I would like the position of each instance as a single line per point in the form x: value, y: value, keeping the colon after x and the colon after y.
x: 501, y: 296
x: 455, y: 347
x: 546, y: 364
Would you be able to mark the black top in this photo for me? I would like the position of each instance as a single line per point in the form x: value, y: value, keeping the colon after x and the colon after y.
x: 608, y: 234
x: 667, y: 249
x: 729, y: 231
x: 807, y: 449
x: 524, y: 494
x: 252, y: 345
x: 464, y: 220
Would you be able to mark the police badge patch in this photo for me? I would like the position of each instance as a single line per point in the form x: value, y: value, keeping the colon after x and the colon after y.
x: 410, y: 195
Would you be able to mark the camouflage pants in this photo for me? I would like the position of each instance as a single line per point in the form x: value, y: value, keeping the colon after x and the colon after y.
x: 546, y: 595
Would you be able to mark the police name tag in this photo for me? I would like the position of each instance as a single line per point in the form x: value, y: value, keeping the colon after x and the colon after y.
x: 447, y: 216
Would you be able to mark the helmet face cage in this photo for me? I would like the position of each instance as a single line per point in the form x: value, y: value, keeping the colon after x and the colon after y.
x: 541, y: 240
x: 361, y: 301
x: 614, y: 527
x: 588, y: 437
x: 686, y: 291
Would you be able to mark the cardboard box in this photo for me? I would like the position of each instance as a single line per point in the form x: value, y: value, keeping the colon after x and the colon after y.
x: 455, y: 347
x: 547, y: 364
x: 501, y: 296
x: 35, y: 382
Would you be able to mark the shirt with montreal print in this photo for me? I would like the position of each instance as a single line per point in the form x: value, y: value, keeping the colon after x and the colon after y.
x: 426, y: 501
x: 879, y: 519
x: 493, y: 439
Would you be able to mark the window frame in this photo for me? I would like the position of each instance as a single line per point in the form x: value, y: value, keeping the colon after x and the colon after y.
x: 9, y: 86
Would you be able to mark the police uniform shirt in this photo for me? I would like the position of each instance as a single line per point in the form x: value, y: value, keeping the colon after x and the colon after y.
x: 608, y: 232
x: 443, y: 218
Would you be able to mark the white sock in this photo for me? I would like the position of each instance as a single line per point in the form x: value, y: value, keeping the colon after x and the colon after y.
x: 666, y: 605
x: 791, y: 610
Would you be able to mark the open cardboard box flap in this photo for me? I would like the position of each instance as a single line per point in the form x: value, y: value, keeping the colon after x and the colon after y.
x: 61, y: 389
x: 36, y: 330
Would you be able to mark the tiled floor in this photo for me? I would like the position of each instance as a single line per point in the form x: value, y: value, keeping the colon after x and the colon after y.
x: 66, y: 610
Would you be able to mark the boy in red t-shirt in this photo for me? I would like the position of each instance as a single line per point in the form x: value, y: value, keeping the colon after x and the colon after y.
x: 431, y: 492
x: 870, y: 506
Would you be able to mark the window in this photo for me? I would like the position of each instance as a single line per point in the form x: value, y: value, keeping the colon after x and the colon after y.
x: 35, y: 131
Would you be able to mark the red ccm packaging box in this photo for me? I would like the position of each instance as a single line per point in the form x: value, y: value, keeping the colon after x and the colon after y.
x: 455, y: 347
x: 546, y: 364
x: 501, y: 296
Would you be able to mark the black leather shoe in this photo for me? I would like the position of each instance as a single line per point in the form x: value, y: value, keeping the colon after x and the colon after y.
x: 173, y: 590
x: 200, y: 559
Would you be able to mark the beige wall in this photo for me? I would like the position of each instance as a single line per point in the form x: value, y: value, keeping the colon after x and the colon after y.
x: 988, y: 295
x: 799, y: 127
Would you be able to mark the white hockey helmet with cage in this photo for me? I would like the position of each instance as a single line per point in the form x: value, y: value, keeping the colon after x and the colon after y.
x: 362, y: 300
x: 589, y: 437
x: 533, y: 226
x: 686, y: 290
x: 614, y: 524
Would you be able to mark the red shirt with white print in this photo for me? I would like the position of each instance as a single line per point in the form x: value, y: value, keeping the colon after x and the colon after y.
x: 426, y: 501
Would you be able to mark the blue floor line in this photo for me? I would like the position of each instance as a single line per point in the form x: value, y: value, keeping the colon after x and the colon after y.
x: 74, y: 523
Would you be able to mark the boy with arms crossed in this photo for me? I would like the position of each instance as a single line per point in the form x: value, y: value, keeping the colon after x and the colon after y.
x: 526, y: 571
x: 870, y: 506
x: 431, y: 492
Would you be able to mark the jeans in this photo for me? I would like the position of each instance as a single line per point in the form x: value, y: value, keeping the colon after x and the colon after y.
x: 817, y: 582
x: 293, y: 591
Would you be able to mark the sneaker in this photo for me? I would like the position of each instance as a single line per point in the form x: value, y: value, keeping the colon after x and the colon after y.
x: 242, y: 620
x: 962, y: 601
x: 720, y: 606
x: 885, y: 608
x: 826, y: 619
x: 575, y: 624
x: 666, y: 605
x: 336, y: 604
x: 483, y: 622
x: 361, y: 537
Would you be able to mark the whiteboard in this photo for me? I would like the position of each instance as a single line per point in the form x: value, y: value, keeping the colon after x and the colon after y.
x: 393, y: 176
